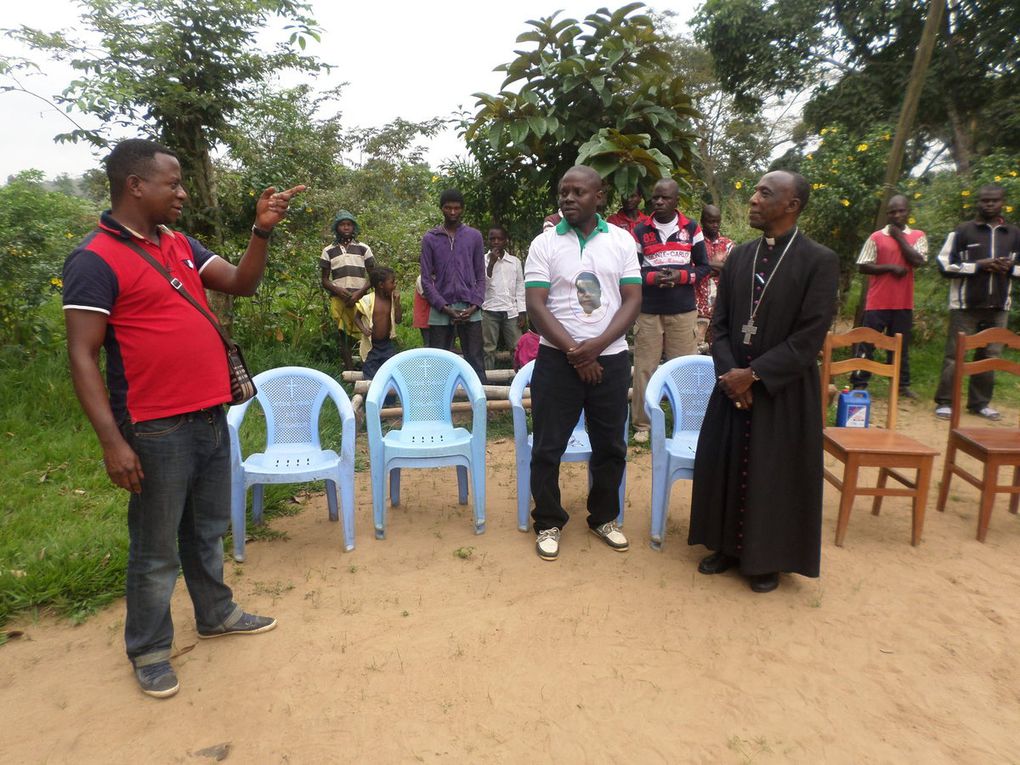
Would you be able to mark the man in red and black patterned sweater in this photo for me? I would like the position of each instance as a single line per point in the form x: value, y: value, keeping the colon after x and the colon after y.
x: 671, y: 250
x: 160, y: 418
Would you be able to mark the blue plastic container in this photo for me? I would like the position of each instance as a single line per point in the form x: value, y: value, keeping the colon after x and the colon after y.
x: 853, y: 409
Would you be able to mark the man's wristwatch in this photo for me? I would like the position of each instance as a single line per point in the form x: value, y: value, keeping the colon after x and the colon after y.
x: 261, y: 233
x: 754, y: 375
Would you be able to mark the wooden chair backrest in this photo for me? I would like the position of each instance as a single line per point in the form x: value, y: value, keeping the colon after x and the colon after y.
x: 963, y: 368
x: 857, y: 335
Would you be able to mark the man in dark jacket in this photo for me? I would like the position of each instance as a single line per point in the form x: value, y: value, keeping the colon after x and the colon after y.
x: 453, y: 280
x: 979, y: 258
x: 671, y: 250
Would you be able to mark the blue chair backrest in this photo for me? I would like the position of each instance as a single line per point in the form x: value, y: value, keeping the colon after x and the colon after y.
x: 292, y: 398
x: 687, y: 383
x: 425, y: 380
x: 520, y: 382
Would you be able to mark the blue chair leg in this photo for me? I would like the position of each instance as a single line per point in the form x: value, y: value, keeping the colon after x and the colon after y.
x: 331, y: 500
x: 237, y: 516
x: 257, y: 492
x: 379, y: 500
x: 523, y: 491
x: 462, y: 484
x: 346, y: 482
x: 395, y: 487
x: 660, y: 499
x: 478, y: 479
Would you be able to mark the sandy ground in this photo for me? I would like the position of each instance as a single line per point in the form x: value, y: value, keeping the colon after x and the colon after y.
x: 404, y: 651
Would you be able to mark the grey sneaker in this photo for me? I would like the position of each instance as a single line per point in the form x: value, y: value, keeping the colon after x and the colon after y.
x: 248, y: 624
x: 943, y: 412
x: 641, y: 436
x: 548, y: 544
x: 158, y: 679
x: 988, y: 413
x: 610, y: 534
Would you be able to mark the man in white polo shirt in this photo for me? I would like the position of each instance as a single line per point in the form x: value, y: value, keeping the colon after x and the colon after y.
x: 583, y: 291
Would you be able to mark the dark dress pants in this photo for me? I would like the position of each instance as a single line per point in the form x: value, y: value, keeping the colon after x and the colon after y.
x: 470, y: 335
x: 557, y: 398
x: 888, y: 323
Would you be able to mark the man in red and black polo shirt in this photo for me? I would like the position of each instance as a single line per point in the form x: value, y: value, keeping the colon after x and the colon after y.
x: 160, y: 418
x: 671, y: 250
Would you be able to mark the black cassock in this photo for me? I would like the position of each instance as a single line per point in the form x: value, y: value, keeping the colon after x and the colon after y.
x: 758, y: 474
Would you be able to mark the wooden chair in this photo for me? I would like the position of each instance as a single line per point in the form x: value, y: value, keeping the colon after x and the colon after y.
x: 884, y: 448
x: 993, y: 447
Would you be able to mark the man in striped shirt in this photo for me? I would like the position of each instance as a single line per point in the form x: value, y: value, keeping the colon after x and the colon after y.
x: 344, y: 266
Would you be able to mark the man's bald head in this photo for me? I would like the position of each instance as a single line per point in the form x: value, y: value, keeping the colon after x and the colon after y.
x: 584, y: 172
x: 711, y: 220
x: 778, y: 200
x: 580, y: 192
x: 668, y: 187
x: 897, y: 211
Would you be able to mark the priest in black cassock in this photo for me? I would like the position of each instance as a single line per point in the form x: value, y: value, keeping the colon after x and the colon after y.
x: 757, y: 497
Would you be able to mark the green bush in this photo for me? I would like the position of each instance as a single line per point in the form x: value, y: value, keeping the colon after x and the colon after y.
x: 38, y: 229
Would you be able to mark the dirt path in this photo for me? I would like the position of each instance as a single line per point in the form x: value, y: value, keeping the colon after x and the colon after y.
x: 404, y: 651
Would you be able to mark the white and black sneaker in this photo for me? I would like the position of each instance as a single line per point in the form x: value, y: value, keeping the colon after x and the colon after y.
x: 610, y: 534
x: 548, y: 544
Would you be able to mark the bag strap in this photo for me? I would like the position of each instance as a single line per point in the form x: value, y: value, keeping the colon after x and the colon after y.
x: 179, y: 287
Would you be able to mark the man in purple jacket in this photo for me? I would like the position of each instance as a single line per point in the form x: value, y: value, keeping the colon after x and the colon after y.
x: 453, y: 280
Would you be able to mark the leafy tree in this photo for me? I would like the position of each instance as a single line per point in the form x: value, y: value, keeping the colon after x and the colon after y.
x: 732, y: 141
x: 858, y: 53
x: 609, y: 72
x: 38, y: 228
x: 391, y: 192
x: 181, y: 72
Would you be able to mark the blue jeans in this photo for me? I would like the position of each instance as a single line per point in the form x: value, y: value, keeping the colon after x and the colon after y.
x: 177, y: 522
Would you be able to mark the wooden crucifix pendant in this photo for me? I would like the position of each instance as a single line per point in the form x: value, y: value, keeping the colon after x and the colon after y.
x: 749, y: 331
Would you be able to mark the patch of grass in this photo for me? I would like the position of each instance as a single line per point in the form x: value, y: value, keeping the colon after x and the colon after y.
x: 464, y: 553
x: 63, y: 525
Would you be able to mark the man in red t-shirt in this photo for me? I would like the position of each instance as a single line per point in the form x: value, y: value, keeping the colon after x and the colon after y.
x: 159, y: 418
x: 629, y: 214
x: 889, y: 258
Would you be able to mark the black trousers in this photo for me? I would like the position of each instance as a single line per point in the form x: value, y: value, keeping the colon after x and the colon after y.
x: 470, y: 335
x: 888, y: 322
x: 557, y: 398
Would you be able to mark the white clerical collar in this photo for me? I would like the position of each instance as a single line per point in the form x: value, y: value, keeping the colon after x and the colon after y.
x: 771, y: 240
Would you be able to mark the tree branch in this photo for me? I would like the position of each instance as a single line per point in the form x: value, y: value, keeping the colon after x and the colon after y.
x: 22, y: 89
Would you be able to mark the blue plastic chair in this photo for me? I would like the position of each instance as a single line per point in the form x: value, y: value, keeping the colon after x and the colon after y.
x: 425, y: 380
x: 578, y: 447
x: 686, y: 382
x: 292, y: 398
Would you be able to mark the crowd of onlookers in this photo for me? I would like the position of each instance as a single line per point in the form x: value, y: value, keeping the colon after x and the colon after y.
x: 476, y: 296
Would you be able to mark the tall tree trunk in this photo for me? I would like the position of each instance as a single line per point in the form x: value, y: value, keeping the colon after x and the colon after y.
x: 962, y: 145
x: 202, y: 215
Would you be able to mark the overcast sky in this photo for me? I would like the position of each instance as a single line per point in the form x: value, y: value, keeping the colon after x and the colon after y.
x: 414, y: 60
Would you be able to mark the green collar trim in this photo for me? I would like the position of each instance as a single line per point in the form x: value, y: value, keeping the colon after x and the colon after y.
x: 562, y: 228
